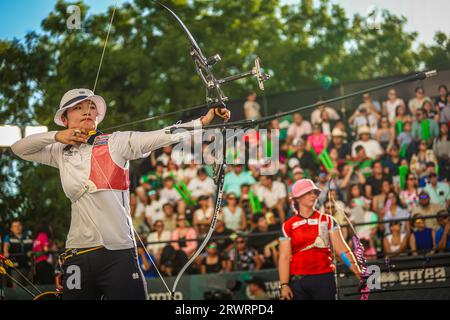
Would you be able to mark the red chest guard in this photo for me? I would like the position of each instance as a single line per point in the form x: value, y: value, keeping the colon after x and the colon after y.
x: 105, y: 173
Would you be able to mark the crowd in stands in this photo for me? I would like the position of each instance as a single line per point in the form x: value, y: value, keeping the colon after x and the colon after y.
x: 386, y: 161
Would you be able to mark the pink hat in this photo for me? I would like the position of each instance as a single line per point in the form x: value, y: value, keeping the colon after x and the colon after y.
x: 303, y: 186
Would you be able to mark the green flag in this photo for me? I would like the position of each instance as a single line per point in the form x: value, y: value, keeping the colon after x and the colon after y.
x: 326, y: 160
x: 399, y: 126
x: 402, y: 152
x: 425, y: 129
x: 403, y: 170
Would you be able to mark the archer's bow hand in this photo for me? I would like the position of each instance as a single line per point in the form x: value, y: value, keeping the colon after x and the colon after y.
x: 222, y: 113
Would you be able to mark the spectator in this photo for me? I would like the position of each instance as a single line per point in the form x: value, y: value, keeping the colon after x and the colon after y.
x: 190, y: 172
x: 426, y: 209
x: 42, y: 246
x: 417, y: 133
x: 317, y: 115
x: 395, y: 243
x: 443, y: 233
x: 441, y: 100
x: 203, y: 215
x: 235, y: 179
x: 371, y: 105
x: 170, y: 220
x: 405, y: 138
x: 213, y: 261
x: 170, y: 194
x: 243, y: 258
x: 273, y: 193
x: 185, y: 236
x: 336, y: 209
x: 390, y: 106
x: 154, y: 210
x: 439, y: 192
x: 417, y: 102
x: 401, y: 117
x: 146, y: 262
x: 393, y: 210
x: 141, y: 204
x: 430, y: 111
x: 410, y: 196
x: 441, y: 148
x: 298, y: 129
x: 304, y: 159
x: 367, y: 114
x: 233, y: 215
x: 264, y: 244
x: 159, y: 235
x: 372, y: 147
x: 17, y: 246
x: 377, y: 177
x: 385, y: 135
x: 445, y: 112
x: 392, y: 161
x: 422, y: 239
x: 257, y: 289
x: 252, y: 109
x: 326, y: 124
x: 337, y: 142
x: 202, y: 185
x: 360, y: 213
x: 420, y: 160
x: 317, y: 140
x: 380, y: 199
x: 165, y: 156
x: 223, y: 237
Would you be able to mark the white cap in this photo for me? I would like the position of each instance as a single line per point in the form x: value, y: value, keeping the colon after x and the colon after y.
x: 75, y: 96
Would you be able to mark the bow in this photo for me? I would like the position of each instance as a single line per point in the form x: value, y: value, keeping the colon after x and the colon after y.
x: 358, y: 248
x: 215, y: 98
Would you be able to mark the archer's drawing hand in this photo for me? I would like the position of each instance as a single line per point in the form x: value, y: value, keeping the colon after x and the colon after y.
x: 222, y: 113
x: 72, y: 136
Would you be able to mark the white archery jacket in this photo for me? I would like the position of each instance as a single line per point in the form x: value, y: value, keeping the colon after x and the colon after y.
x: 100, y: 199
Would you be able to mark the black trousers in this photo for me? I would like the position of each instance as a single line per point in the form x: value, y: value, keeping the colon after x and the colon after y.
x: 314, y: 287
x: 111, y: 274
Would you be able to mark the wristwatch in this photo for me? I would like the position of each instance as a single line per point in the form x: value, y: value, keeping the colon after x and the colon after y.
x: 282, y: 285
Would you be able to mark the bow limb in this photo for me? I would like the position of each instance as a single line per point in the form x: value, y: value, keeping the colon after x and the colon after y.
x: 358, y: 251
x: 217, y: 207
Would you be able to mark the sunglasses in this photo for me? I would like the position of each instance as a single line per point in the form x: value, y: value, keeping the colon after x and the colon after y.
x: 424, y: 197
x: 212, y: 247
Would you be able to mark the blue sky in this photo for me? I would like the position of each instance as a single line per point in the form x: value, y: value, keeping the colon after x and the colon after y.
x: 426, y: 17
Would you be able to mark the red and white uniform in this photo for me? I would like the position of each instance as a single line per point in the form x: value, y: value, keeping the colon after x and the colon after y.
x: 310, y: 243
x: 95, y: 179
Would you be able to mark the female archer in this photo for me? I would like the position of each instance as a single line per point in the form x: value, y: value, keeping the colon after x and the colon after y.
x: 100, y: 259
x: 305, y: 265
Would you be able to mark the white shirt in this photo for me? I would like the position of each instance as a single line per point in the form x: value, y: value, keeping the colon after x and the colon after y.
x: 296, y: 132
x: 169, y: 195
x: 153, y: 237
x: 272, y: 196
x: 315, y: 115
x: 372, y: 147
x: 154, y: 211
x: 99, y: 218
x: 199, y: 188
